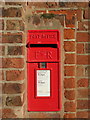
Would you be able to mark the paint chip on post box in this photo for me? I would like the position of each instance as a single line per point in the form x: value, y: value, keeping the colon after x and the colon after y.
x: 43, y: 66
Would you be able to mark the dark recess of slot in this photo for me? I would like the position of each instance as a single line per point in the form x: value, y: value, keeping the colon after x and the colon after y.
x: 44, y: 45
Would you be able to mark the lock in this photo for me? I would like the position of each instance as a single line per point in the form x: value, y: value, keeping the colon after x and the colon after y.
x: 43, y: 70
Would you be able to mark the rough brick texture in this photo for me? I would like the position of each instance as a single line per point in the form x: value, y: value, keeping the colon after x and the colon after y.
x: 16, y: 12
x: 12, y: 38
x: 15, y: 20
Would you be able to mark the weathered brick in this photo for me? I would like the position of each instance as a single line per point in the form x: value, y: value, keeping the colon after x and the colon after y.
x: 69, y: 46
x: 83, y: 104
x: 0, y: 11
x: 69, y: 83
x: 14, y: 25
x: 14, y: 101
x: 80, y: 71
x: 70, y: 22
x: 15, y: 50
x: 69, y: 34
x: 69, y: 94
x: 80, y: 48
x: 70, y: 106
x: 14, y: 3
x: 11, y: 12
x: 87, y: 71
x: 13, y: 88
x: 83, y: 82
x: 82, y: 93
x: 8, y: 113
x: 12, y: 38
x: 14, y: 75
x: 83, y: 37
x: 86, y: 14
x: 60, y: 12
x: 69, y: 59
x: 1, y: 24
x: 1, y: 75
x: 1, y: 101
x: 69, y: 70
x: 82, y: 114
x: 83, y: 25
x: 2, y: 50
x: 0, y: 113
x: 43, y: 4
x: 79, y: 14
x: 1, y: 88
x: 69, y: 115
x: 87, y: 48
x: 83, y: 59
x: 12, y: 63
x: 73, y: 4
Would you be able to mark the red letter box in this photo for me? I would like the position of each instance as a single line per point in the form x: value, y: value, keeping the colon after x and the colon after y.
x: 43, y: 54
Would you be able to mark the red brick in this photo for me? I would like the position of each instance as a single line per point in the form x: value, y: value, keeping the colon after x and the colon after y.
x: 70, y: 22
x: 70, y: 106
x: 69, y: 34
x: 83, y: 59
x: 82, y: 93
x: 12, y: 38
x: 16, y: 50
x: 69, y: 13
x: 13, y: 63
x: 1, y: 24
x: 87, y: 48
x: 2, y: 50
x: 69, y: 83
x: 69, y: 71
x: 83, y: 25
x: 14, y: 75
x: 86, y: 14
x: 74, y: 4
x: 43, y: 4
x: 1, y: 75
x: 83, y: 37
x: 80, y: 48
x: 82, y: 104
x: 14, y: 101
x: 83, y: 82
x: 69, y: 115
x: 44, y: 115
x: 69, y: 46
x: 0, y: 113
x: 69, y: 59
x: 1, y: 87
x: 69, y: 94
x: 14, y: 3
x: 41, y: 11
x: 14, y: 25
x: 8, y: 113
x: 79, y: 14
x: 13, y: 88
x: 87, y: 71
x: 11, y: 12
x: 82, y: 114
x: 80, y: 71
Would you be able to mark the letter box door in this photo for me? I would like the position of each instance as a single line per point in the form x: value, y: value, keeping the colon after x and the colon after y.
x: 48, y: 98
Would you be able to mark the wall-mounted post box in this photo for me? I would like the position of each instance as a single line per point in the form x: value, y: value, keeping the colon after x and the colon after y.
x: 44, y: 75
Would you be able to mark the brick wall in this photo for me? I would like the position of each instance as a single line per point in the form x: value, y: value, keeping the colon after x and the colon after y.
x: 73, y: 20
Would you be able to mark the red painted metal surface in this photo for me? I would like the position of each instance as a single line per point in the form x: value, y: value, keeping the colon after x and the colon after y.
x: 44, y: 46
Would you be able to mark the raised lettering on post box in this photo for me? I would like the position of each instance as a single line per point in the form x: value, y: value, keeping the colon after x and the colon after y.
x: 44, y: 73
